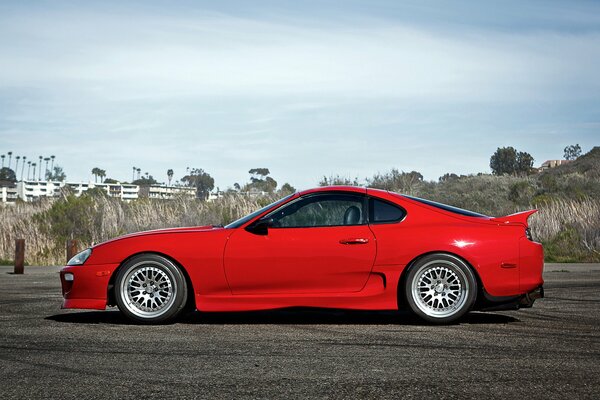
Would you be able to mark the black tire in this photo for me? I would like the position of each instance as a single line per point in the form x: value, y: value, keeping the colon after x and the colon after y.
x: 440, y: 288
x: 150, y: 289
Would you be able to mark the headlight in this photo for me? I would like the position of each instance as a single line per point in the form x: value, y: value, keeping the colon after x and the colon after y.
x: 80, y: 258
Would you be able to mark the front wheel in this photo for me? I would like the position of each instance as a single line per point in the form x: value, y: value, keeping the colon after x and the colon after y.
x: 440, y: 288
x: 150, y: 289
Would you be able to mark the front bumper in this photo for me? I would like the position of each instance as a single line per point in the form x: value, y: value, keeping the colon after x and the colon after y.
x: 86, y: 286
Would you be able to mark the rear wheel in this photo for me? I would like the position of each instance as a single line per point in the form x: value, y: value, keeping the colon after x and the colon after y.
x: 150, y: 289
x: 440, y: 288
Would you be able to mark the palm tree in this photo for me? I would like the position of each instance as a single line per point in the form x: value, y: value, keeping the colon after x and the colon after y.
x: 52, y: 164
x: 17, y: 165
x: 133, y: 176
x: 28, y: 168
x: 34, y: 164
x: 23, y: 166
x: 47, y: 173
x: 9, y: 158
x: 2, y: 157
x: 95, y: 171
x: 170, y: 175
x: 138, y: 171
x: 40, y: 165
x: 101, y: 174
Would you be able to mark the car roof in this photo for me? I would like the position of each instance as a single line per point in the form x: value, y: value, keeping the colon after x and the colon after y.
x: 339, y: 188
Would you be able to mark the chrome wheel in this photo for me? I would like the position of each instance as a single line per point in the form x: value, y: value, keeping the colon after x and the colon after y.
x: 148, y: 290
x: 440, y: 288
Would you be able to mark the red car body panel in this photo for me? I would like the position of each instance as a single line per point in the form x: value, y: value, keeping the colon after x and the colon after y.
x: 232, y: 269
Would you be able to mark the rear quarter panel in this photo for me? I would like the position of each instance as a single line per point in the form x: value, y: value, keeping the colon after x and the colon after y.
x: 492, y: 250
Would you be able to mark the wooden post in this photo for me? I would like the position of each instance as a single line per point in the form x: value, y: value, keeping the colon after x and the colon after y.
x: 19, y: 256
x: 72, y: 248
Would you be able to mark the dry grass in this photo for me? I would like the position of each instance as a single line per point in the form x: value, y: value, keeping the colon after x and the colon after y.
x: 569, y: 229
x: 47, y: 225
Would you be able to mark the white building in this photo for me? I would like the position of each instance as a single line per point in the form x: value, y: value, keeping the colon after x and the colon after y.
x: 33, y: 190
x: 8, y: 194
x: 552, y: 164
x: 119, y: 190
x: 166, y: 192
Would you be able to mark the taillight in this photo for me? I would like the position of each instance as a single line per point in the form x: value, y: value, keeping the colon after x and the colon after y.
x: 528, y: 233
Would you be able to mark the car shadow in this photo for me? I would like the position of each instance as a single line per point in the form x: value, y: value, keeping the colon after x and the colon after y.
x: 291, y: 316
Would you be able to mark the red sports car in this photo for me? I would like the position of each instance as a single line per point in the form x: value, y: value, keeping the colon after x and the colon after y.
x: 335, y: 247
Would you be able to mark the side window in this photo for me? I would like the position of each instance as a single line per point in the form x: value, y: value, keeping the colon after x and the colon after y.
x: 321, y: 210
x: 384, y: 212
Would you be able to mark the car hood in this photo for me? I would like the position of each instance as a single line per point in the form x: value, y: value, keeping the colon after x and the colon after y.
x: 204, y: 228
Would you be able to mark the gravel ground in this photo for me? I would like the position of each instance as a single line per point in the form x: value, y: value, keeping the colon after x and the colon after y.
x: 549, y: 351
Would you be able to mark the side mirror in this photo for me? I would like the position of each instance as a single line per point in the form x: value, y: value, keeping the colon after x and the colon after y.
x: 260, y: 227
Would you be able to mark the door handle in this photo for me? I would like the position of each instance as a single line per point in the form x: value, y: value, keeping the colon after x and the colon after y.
x: 355, y: 241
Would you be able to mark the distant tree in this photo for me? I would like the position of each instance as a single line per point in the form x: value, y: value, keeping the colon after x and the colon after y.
x: 286, y: 189
x: 2, y: 157
x: 9, y: 158
x: 524, y: 162
x: 338, y: 180
x: 23, y: 166
x: 259, y: 172
x: 504, y: 161
x: 96, y: 173
x: 237, y: 186
x: 201, y: 180
x: 260, y: 181
x: 28, y: 168
x: 572, y: 152
x: 270, y: 185
x: 46, y: 171
x: 17, y: 164
x: 398, y: 181
x: 40, y: 169
x: 448, y: 177
x: 110, y: 180
x: 52, y: 164
x: 133, y: 175
x: 139, y: 170
x: 169, y: 175
x: 145, y: 181
x: 33, y: 165
x: 7, y: 175
x: 57, y: 174
x: 507, y: 160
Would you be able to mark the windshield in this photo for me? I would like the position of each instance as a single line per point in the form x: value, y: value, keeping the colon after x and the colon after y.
x: 243, y: 220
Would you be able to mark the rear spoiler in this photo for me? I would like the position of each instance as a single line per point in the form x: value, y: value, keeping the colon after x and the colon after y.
x: 517, y: 218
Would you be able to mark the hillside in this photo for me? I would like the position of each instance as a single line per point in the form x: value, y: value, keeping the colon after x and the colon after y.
x: 568, y: 198
x: 568, y: 222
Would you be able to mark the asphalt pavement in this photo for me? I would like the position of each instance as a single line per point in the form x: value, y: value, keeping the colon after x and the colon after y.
x: 549, y: 351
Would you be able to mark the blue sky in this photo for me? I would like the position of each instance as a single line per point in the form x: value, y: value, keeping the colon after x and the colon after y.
x: 306, y: 89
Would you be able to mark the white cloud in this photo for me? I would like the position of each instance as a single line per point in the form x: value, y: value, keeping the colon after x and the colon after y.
x: 302, y: 97
x: 117, y: 58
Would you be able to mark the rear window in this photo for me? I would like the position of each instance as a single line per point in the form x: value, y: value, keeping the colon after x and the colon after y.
x: 384, y: 212
x: 446, y: 207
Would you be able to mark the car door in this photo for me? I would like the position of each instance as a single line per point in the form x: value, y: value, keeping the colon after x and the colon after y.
x: 319, y: 243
